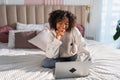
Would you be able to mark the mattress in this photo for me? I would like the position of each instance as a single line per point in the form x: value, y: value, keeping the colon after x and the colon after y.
x: 25, y: 64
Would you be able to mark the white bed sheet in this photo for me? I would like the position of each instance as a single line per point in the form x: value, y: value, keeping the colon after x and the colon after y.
x: 25, y: 64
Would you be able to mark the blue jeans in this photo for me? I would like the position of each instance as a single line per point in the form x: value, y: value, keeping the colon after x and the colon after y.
x: 50, y: 62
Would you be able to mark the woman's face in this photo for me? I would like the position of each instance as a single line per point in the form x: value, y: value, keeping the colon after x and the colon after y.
x: 62, y: 25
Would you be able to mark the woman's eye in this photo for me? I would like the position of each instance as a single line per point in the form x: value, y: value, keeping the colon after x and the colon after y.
x: 67, y: 24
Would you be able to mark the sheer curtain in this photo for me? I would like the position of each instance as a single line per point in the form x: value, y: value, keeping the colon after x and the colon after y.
x: 110, y: 16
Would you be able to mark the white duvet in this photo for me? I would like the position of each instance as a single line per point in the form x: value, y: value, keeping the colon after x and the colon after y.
x: 25, y: 64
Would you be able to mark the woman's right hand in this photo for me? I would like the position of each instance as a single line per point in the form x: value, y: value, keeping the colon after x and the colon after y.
x: 60, y: 33
x: 61, y: 27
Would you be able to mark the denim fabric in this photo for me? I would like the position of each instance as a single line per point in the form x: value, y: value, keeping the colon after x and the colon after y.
x: 50, y: 62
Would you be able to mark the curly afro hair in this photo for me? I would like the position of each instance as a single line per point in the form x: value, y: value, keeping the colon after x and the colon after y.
x: 58, y: 15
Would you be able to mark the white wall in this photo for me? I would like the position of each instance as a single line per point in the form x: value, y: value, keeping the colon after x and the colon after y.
x: 66, y: 2
x: 93, y: 28
x: 14, y: 1
x: 76, y: 2
x: 1, y: 1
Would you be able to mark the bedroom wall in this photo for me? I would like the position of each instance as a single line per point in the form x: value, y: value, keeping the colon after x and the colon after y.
x: 12, y: 1
x: 90, y: 27
x: 47, y: 2
x: 1, y: 1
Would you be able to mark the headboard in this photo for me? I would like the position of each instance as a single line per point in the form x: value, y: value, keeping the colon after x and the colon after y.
x: 35, y: 14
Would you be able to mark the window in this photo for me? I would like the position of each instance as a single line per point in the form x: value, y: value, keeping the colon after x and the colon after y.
x: 110, y: 16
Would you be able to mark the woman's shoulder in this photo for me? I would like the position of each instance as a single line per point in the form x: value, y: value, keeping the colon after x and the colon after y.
x: 76, y: 31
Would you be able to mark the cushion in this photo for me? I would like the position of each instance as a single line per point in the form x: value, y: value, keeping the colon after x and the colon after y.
x: 81, y: 29
x: 21, y: 26
x: 11, y: 38
x: 4, y: 31
x: 3, y: 37
x: 41, y: 39
x: 21, y: 39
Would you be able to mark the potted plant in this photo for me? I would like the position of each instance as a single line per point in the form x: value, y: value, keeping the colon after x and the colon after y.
x: 117, y: 34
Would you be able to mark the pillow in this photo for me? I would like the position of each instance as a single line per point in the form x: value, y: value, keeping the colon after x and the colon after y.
x: 4, y: 31
x: 81, y: 29
x: 21, y: 26
x: 11, y: 38
x: 21, y: 39
x: 41, y: 39
x: 47, y: 25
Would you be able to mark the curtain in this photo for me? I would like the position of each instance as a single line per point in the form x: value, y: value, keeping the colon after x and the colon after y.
x: 110, y: 16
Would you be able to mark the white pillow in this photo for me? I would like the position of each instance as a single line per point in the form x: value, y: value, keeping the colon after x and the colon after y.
x: 41, y: 40
x: 46, y: 24
x: 11, y: 38
x: 21, y: 26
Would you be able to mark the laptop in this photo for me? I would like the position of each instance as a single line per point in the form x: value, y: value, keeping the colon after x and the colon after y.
x: 72, y: 69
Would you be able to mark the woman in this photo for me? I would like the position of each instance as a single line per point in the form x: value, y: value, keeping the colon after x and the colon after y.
x: 66, y: 42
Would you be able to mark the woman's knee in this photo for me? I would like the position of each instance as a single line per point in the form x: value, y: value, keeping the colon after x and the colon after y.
x: 45, y: 63
x: 73, y: 58
x: 48, y: 63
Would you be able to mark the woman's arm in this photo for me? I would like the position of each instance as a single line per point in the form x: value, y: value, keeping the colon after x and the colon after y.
x: 52, y: 50
x: 83, y: 53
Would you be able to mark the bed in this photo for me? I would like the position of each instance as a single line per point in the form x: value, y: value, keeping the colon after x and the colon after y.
x: 25, y: 64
